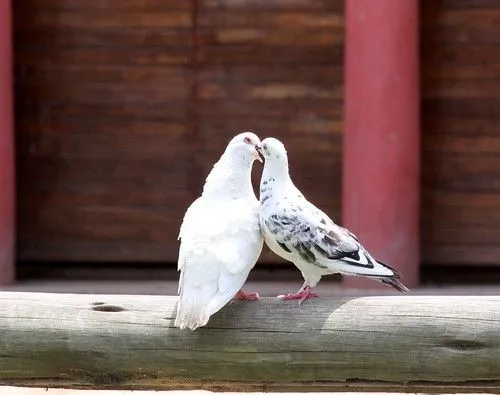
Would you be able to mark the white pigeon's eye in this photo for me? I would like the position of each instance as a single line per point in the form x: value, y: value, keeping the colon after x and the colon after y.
x: 247, y: 140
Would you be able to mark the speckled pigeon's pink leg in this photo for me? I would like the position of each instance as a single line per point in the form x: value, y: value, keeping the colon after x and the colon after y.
x: 303, y: 294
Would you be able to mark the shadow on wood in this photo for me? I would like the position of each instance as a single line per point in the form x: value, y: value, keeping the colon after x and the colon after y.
x: 383, y: 343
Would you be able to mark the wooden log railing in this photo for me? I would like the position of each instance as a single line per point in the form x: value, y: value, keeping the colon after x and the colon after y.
x: 390, y: 343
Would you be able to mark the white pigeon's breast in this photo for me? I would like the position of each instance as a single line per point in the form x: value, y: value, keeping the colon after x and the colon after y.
x: 210, y: 224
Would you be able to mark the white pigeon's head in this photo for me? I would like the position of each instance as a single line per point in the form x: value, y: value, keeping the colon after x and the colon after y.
x: 274, y: 152
x: 244, y: 146
x: 231, y: 174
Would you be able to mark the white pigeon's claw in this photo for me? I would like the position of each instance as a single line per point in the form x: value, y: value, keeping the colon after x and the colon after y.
x: 298, y: 231
x: 240, y: 295
x: 220, y: 237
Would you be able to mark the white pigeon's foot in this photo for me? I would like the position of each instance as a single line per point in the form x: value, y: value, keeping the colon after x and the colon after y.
x: 240, y: 295
x: 304, y: 294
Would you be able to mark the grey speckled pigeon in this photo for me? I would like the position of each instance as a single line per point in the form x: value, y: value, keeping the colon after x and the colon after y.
x: 298, y: 231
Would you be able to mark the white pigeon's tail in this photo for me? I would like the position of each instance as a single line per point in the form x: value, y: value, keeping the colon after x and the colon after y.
x: 191, y: 310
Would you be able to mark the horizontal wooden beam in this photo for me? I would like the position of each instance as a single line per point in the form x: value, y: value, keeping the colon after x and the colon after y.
x: 386, y: 343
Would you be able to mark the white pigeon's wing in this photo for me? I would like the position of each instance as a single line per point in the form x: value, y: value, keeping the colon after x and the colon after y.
x: 220, y: 243
x: 238, y: 255
x: 302, y: 229
x: 193, y: 218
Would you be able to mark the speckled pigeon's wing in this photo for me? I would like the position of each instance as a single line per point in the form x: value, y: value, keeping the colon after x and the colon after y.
x: 306, y: 232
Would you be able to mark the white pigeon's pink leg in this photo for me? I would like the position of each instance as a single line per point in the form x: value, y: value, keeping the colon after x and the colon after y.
x: 240, y: 295
x: 303, y: 294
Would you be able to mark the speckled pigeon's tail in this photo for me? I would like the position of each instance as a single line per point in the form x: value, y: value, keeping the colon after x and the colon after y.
x: 395, y: 283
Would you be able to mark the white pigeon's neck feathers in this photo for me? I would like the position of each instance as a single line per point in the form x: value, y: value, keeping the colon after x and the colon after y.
x: 230, y: 178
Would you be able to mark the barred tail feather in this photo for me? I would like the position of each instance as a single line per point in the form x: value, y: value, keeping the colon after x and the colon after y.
x: 391, y: 276
x: 394, y: 282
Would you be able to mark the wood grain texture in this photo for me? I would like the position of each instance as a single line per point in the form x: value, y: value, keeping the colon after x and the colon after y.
x: 403, y: 343
x: 122, y: 107
x: 275, y: 68
x: 460, y: 124
x: 102, y: 97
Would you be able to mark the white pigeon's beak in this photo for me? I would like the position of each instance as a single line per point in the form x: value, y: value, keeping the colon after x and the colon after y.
x: 257, y: 155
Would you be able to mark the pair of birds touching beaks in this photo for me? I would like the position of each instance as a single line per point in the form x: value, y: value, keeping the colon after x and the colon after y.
x: 223, y: 231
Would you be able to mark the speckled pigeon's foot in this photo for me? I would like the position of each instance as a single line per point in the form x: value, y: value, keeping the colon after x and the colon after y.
x: 301, y: 296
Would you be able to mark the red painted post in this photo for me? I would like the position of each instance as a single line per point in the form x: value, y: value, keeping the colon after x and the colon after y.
x: 7, y: 186
x: 381, y: 181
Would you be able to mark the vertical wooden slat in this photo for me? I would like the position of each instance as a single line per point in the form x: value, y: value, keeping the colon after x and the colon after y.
x: 102, y: 91
x: 381, y: 142
x: 7, y: 192
x: 275, y: 68
x: 460, y: 132
x: 195, y: 174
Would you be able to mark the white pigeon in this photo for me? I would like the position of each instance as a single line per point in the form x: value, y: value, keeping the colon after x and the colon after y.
x: 220, y: 237
x: 299, y: 232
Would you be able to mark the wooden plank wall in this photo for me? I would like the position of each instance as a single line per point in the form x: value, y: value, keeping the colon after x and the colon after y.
x: 461, y: 131
x: 275, y: 67
x: 122, y: 107
x: 102, y: 102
